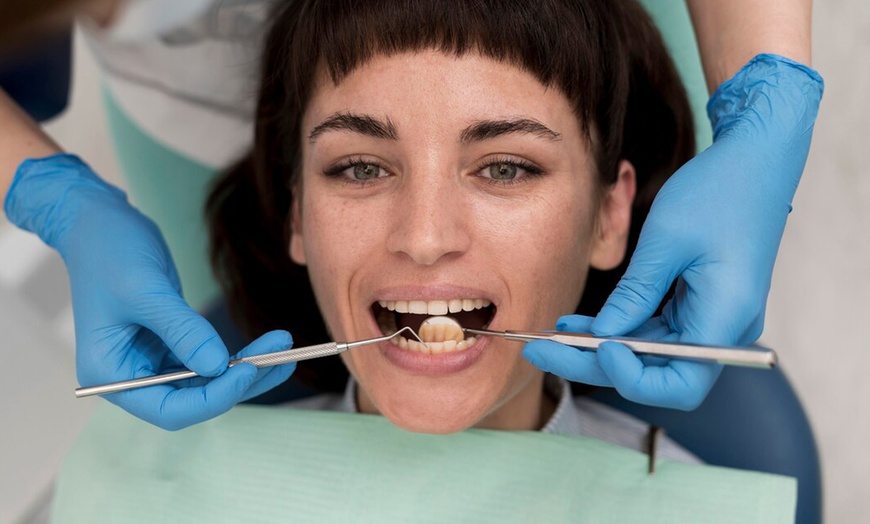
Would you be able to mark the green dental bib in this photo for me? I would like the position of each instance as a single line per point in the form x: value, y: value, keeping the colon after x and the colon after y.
x: 267, y: 464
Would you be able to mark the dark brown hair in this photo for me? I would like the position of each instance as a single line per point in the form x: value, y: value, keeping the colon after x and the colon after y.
x: 605, y: 56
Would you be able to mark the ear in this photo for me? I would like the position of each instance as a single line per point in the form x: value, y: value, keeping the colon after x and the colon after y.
x: 614, y: 220
x: 297, y: 244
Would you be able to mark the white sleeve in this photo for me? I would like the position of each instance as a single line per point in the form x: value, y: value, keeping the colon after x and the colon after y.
x: 185, y: 72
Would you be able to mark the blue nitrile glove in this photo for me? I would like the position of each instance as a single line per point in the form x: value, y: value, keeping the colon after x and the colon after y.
x: 716, y: 224
x: 615, y: 365
x: 130, y: 318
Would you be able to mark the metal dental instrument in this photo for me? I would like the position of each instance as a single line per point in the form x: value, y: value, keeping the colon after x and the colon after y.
x: 730, y: 355
x: 261, y: 361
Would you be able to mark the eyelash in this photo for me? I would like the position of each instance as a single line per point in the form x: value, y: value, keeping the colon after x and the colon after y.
x: 337, y: 170
x: 532, y: 171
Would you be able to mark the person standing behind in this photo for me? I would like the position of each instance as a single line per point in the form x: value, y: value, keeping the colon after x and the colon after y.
x: 714, y: 228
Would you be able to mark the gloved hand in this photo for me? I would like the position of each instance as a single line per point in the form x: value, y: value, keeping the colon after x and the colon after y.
x: 130, y: 318
x: 636, y: 377
x: 716, y: 224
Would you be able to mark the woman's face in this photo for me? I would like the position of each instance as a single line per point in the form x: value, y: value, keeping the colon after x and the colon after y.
x: 433, y: 183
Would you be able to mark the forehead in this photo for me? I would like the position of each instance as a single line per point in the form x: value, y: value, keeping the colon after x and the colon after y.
x: 426, y: 87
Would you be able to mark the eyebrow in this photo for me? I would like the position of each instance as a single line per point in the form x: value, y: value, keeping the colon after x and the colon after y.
x: 476, y: 132
x: 488, y: 129
x: 362, y: 124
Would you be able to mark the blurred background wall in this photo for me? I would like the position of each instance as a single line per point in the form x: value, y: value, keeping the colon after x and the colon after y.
x: 818, y: 314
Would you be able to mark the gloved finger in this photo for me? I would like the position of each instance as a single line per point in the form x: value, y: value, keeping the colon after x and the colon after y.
x: 186, y: 333
x: 704, y: 311
x: 640, y: 290
x: 679, y: 384
x: 654, y: 329
x: 174, y: 408
x: 574, y: 323
x: 268, y: 377
x: 273, y: 376
x: 567, y: 362
x: 741, y: 321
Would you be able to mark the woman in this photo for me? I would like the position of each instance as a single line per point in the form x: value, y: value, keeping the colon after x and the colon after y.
x: 488, y: 161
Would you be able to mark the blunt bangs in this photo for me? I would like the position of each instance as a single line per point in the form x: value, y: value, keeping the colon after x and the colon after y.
x: 561, y: 43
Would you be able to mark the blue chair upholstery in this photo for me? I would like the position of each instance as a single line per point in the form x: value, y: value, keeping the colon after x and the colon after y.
x: 37, y: 75
x: 751, y: 420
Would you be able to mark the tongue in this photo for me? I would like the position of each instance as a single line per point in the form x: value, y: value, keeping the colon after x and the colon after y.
x: 475, y: 319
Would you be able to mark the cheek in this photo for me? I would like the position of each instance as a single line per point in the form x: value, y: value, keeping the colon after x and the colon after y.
x: 569, y: 242
x: 338, y: 247
x: 548, y: 230
x: 544, y: 247
x: 338, y: 235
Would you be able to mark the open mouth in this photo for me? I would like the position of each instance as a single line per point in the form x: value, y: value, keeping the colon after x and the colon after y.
x: 441, y: 338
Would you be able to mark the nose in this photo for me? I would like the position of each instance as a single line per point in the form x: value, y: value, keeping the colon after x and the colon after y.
x: 430, y: 223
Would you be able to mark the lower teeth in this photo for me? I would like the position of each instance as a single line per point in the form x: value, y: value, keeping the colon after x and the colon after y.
x: 434, y: 348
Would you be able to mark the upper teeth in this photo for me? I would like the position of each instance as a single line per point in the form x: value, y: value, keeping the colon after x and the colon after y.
x: 434, y: 307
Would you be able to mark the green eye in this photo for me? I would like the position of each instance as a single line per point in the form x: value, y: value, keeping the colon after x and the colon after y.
x: 503, y: 171
x: 366, y: 171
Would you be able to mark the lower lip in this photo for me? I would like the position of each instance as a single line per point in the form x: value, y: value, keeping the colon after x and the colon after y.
x: 433, y: 365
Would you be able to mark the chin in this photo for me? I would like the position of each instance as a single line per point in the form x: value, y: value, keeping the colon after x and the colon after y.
x: 444, y: 426
x: 441, y: 419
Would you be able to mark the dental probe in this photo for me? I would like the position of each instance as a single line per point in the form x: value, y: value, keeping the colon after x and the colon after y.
x: 730, y: 355
x: 265, y: 360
